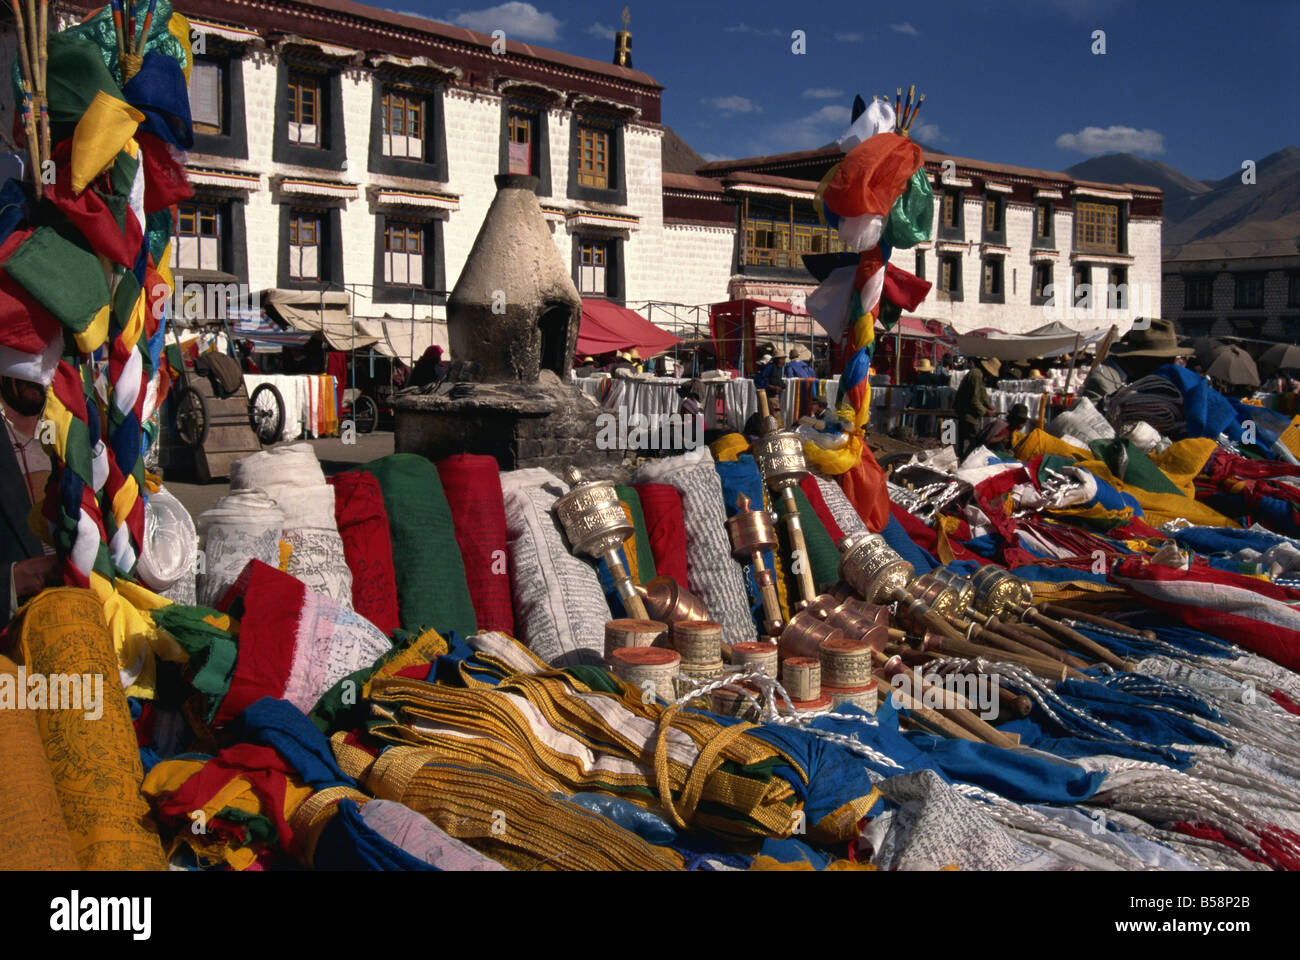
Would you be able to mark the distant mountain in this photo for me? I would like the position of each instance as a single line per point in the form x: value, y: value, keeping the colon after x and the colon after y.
x: 678, y: 157
x: 1216, y: 218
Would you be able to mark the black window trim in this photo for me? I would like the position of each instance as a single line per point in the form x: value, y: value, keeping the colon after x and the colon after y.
x: 615, y: 291
x: 1188, y: 279
x: 332, y: 258
x: 956, y: 294
x: 1001, y: 295
x: 332, y: 154
x: 435, y: 273
x: 958, y: 230
x: 1036, y: 299
x: 999, y: 236
x: 541, y: 140
x: 617, y: 194
x: 1048, y: 242
x: 1237, y: 279
x: 435, y: 129
x: 232, y: 142
x: 234, y: 238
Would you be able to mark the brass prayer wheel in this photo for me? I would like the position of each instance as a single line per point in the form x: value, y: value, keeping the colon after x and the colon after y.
x: 751, y: 533
x: 780, y: 457
x: 1000, y: 593
x: 872, y: 567
x: 669, y: 602
x: 965, y: 589
x: 804, y: 634
x: 594, y: 521
x: 939, y: 596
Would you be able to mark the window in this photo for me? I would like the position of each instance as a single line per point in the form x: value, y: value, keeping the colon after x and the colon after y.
x: 304, y: 245
x: 404, y: 250
x: 593, y: 158
x: 1250, y: 290
x: 1096, y: 227
x: 950, y: 277
x: 206, y: 100
x: 1082, y: 286
x: 1117, y: 297
x: 991, y: 282
x: 304, y: 109
x: 1198, y: 293
x: 402, y: 124
x: 1042, y: 223
x: 198, y: 237
x: 951, y: 209
x: 1042, y: 280
x: 920, y: 264
x: 1293, y: 290
x: 593, y: 261
x: 521, y: 133
x: 993, y: 215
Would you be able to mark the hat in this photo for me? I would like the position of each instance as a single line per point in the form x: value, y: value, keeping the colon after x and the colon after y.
x: 1019, y: 412
x: 779, y: 353
x: 924, y: 366
x: 992, y: 365
x: 588, y: 360
x: 799, y: 352
x: 765, y: 358
x: 1036, y: 374
x: 634, y: 354
x: 1158, y: 339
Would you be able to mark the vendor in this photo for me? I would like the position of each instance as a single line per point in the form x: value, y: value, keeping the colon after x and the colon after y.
x: 27, y: 566
x: 972, y: 403
x: 1000, y: 435
x: 799, y: 368
x: 586, y: 368
x: 1139, y: 354
x: 772, y: 370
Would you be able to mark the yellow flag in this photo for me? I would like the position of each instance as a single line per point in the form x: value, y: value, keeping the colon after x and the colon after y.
x: 99, y: 137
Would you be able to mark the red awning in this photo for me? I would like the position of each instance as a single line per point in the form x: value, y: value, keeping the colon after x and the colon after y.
x: 750, y: 303
x: 607, y: 327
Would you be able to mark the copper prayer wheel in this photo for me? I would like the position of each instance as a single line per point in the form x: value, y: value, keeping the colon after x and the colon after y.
x: 803, y: 635
x: 872, y: 567
x: 752, y: 533
x: 669, y: 602
x: 781, y: 460
x: 594, y: 521
x: 1000, y: 593
x: 861, y: 621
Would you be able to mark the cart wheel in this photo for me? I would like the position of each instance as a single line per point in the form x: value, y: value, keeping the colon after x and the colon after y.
x: 266, y: 413
x: 365, y: 414
x: 191, y: 418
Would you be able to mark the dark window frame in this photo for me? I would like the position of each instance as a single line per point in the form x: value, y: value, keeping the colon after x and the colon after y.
x: 1075, y: 284
x: 433, y: 290
x: 958, y: 230
x: 232, y: 142
x: 233, y: 246
x: 1046, y: 241
x: 998, y: 235
x: 1198, y: 278
x: 1293, y: 289
x: 331, y: 258
x: 616, y: 192
x: 920, y: 264
x: 1112, y: 298
x: 1000, y: 294
x: 434, y: 165
x: 615, y: 291
x: 541, y: 140
x: 332, y: 152
x: 1237, y: 289
x: 956, y: 294
x: 1035, y: 298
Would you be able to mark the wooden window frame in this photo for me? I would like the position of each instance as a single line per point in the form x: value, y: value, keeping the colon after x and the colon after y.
x: 297, y: 240
x: 409, y: 99
x: 1097, y: 227
x: 594, y: 176
x: 1198, y: 282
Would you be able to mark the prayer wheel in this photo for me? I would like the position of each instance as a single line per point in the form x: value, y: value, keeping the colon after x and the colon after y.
x: 780, y: 458
x: 669, y: 602
x: 752, y: 533
x: 862, y: 695
x: 804, y: 634
x: 594, y: 521
x: 698, y: 641
x: 802, y: 678
x: 872, y: 568
x: 1000, y: 593
x: 757, y: 653
x: 641, y: 665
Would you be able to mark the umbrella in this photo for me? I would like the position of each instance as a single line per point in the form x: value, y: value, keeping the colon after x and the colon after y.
x: 1207, y: 348
x: 1234, y: 365
x: 1280, y: 358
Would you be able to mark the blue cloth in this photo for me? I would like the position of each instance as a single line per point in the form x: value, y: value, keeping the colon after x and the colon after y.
x: 158, y: 91
x: 629, y: 816
x: 1016, y: 776
x: 1269, y: 424
x: 1072, y: 748
x: 800, y: 370
x: 347, y: 842
x: 13, y: 208
x: 904, y: 546
x: 279, y: 724
x: 1206, y: 412
x: 742, y: 476
x: 1211, y: 541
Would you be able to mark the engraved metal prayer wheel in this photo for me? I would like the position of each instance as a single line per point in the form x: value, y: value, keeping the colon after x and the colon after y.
x: 1000, y: 593
x: 943, y: 598
x: 670, y: 603
x: 780, y: 458
x: 594, y: 521
x: 751, y: 533
x: 872, y: 568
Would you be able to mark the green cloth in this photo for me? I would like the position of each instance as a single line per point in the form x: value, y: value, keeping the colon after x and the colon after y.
x: 912, y: 216
x: 431, y: 587
x: 1139, y: 472
x: 61, y: 274
x: 645, y: 558
x: 822, y: 553
x: 75, y: 72
x: 212, y: 651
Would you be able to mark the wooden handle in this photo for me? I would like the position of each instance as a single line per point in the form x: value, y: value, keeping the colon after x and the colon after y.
x: 632, y: 602
x: 1076, y: 638
x: 1062, y: 612
x: 763, y: 410
x: 804, y: 577
x: 1029, y: 641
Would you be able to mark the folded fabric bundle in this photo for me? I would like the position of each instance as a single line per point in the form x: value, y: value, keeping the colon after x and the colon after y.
x: 431, y: 587
x: 472, y: 484
x: 838, y: 506
x: 422, y: 839
x: 90, y: 746
x: 294, y: 644
x: 169, y: 548
x: 665, y: 528
x: 640, y: 558
x: 33, y: 835
x: 367, y: 547
x: 292, y: 476
x: 560, y: 607
x: 241, y: 527
x: 712, y: 574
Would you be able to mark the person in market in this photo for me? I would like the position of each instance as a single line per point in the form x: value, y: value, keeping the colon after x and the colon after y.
x: 799, y: 368
x: 27, y: 565
x: 926, y: 384
x: 1139, y: 354
x: 1000, y: 435
x: 972, y: 403
x: 586, y: 368
x: 773, y: 388
x: 772, y: 370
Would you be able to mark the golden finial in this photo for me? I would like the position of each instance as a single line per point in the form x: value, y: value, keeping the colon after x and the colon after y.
x: 627, y: 18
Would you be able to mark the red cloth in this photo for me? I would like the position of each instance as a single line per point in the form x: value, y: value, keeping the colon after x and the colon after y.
x: 873, y: 176
x: 367, y: 547
x: 336, y: 365
x: 92, y: 216
x: 1285, y: 702
x: 864, y: 485
x: 25, y: 325
x: 607, y: 327
x: 472, y: 484
x: 814, y: 494
x: 1274, y: 854
x: 165, y: 183
x: 662, y: 506
x: 268, y: 634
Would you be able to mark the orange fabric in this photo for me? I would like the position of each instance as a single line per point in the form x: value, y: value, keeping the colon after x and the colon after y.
x: 873, y: 176
x: 864, y: 486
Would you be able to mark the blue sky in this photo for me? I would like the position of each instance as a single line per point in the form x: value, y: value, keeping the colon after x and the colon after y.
x: 1198, y: 85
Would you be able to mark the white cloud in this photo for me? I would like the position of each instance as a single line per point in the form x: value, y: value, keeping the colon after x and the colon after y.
x: 823, y: 93
x: 906, y: 28
x: 520, y: 21
x: 848, y: 37
x: 600, y: 30
x: 1095, y: 140
x: 715, y: 157
x: 730, y: 106
x: 818, y: 127
x: 746, y: 28
x: 927, y: 133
